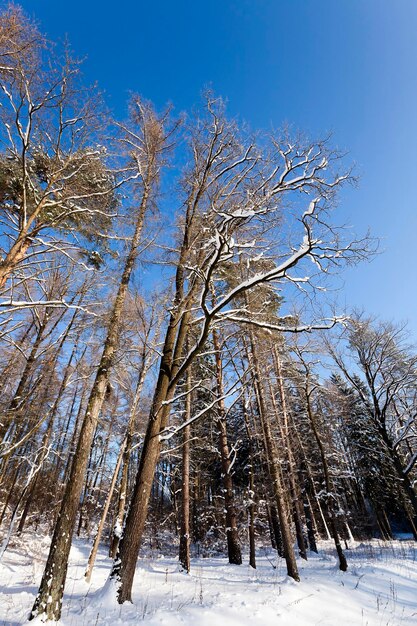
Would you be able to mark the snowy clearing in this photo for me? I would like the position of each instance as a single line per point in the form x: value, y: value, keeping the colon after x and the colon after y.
x: 378, y: 589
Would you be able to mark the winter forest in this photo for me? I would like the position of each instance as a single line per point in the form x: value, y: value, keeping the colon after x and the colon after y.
x: 182, y: 399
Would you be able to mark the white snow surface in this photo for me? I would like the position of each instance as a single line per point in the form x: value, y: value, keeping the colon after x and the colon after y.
x: 379, y: 589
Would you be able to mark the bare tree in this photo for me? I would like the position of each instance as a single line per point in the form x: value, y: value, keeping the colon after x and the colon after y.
x: 147, y: 144
x: 234, y: 193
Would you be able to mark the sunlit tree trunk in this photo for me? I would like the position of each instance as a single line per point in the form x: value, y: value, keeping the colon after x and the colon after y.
x: 127, y: 449
x: 49, y: 599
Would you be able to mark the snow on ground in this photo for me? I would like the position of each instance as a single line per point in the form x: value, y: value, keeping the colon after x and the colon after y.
x: 379, y: 589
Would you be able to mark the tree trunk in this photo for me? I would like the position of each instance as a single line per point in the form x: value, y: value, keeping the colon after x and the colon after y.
x: 124, y: 567
x: 184, y: 550
x: 97, y: 538
x: 329, y: 506
x: 275, y: 471
x: 125, y: 564
x: 49, y: 598
x: 233, y: 546
x: 15, y: 255
x: 87, y: 482
x: 7, y: 423
x: 10, y: 492
x: 284, y: 430
x: 311, y: 535
x: 251, y: 492
x: 121, y: 501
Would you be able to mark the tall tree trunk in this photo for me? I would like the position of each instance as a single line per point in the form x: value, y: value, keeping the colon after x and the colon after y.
x: 284, y: 430
x: 87, y: 482
x: 124, y: 567
x: 328, y: 483
x: 310, y: 489
x: 274, y: 529
x: 311, y: 534
x: 251, y: 491
x: 251, y: 525
x: 72, y: 447
x: 49, y: 599
x: 233, y: 545
x: 274, y: 470
x: 198, y: 531
x: 184, y: 549
x: 125, y: 564
x: 97, y: 538
x: 121, y: 500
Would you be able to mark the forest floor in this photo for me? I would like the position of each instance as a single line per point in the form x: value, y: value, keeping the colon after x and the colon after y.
x: 379, y: 588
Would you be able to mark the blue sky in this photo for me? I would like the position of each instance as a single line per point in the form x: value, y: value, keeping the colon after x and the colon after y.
x: 346, y: 66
